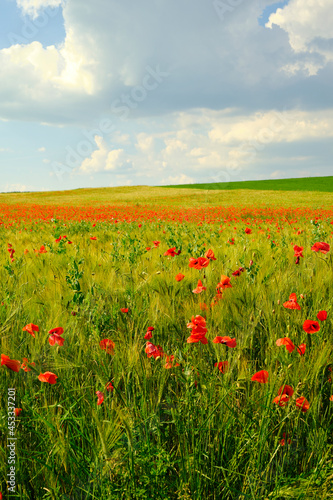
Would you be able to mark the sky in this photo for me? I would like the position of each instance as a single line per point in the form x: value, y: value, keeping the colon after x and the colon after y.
x: 160, y: 92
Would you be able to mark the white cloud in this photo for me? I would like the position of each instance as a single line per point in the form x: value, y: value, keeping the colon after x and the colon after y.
x: 102, y: 159
x: 178, y: 179
x: 9, y: 188
x: 309, y: 24
x: 42, y: 149
x: 105, y: 57
x: 145, y: 142
x: 48, y: 70
x: 33, y: 7
x: 273, y: 127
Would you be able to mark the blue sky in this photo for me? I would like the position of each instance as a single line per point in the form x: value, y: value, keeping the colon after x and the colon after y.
x: 163, y: 92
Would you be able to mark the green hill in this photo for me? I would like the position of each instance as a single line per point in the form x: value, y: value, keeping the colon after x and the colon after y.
x: 324, y: 184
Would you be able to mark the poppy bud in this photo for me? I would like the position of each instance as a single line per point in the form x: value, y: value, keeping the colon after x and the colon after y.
x: 273, y: 311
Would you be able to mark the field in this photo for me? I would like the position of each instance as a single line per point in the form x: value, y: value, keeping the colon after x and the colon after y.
x: 320, y: 184
x: 191, y: 354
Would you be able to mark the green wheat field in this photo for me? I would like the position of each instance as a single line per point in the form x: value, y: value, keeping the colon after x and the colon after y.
x: 130, y: 412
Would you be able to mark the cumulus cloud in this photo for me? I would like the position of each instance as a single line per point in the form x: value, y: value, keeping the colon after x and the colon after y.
x: 105, y: 56
x: 229, y: 144
x: 103, y: 159
x: 273, y: 126
x: 309, y: 24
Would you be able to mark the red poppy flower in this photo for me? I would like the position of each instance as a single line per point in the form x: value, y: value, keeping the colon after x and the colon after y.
x: 24, y: 365
x: 261, y: 377
x: 109, y: 386
x: 154, y: 350
x: 170, y: 362
x: 179, y: 277
x: 172, y: 252
x: 303, y: 404
x: 58, y: 330
x: 298, y: 251
x: 224, y: 283
x: 223, y: 366
x: 287, y: 342
x: 107, y: 345
x: 124, y: 310
x: 286, y: 389
x: 200, y: 288
x: 197, y: 336
x: 156, y: 244
x: 321, y: 247
x: 17, y: 411
x: 148, y: 335
x: 31, y: 328
x: 292, y: 302
x: 12, y: 364
x: 322, y: 315
x: 331, y: 398
x: 48, y: 377
x: 199, y: 330
x: 237, y: 272
x: 56, y: 339
x: 226, y: 341
x: 281, y: 400
x: 301, y: 349
x: 210, y: 255
x: 310, y: 326
x: 94, y: 238
x: 283, y: 441
x: 100, y: 397
x: 42, y: 249
x: 199, y: 263
x: 248, y: 230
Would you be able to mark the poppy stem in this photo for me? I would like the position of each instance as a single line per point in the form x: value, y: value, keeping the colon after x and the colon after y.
x: 309, y: 342
x: 322, y: 258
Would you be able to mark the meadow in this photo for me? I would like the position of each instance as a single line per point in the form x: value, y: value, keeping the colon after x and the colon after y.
x: 167, y: 344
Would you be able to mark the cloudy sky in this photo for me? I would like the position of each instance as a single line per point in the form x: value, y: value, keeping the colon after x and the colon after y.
x: 155, y: 92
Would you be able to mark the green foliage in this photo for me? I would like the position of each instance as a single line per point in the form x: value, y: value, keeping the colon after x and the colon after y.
x: 185, y: 433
